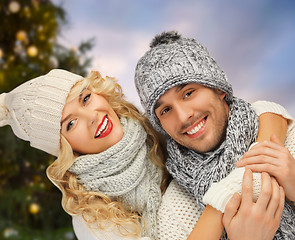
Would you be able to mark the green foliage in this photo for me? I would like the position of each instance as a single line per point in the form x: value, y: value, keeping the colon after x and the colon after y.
x: 30, y: 206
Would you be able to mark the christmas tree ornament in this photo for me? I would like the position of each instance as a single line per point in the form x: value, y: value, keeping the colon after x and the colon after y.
x: 34, y: 208
x: 1, y: 53
x: 22, y: 36
x: 32, y: 51
x: 14, y: 6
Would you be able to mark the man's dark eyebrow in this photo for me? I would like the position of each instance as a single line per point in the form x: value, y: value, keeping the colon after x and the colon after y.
x: 178, y: 89
x: 158, y: 104
x: 181, y: 86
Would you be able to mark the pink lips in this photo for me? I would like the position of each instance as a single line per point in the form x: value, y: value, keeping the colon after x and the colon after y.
x: 107, y: 130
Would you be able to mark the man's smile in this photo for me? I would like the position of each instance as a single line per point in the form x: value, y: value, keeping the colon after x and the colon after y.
x: 197, y: 129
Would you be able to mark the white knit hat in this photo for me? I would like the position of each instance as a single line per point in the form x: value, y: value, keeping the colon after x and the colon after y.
x: 34, y: 109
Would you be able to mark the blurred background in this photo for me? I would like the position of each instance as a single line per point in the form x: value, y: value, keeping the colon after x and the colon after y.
x: 252, y: 41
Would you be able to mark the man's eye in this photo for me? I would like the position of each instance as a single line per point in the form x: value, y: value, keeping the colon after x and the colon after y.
x: 86, y: 98
x: 188, y: 94
x: 70, y: 125
x: 164, y: 111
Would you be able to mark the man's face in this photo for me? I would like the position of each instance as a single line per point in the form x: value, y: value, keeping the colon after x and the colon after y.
x: 194, y: 116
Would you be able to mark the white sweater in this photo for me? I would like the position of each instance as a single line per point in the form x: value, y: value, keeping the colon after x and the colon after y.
x: 177, y: 214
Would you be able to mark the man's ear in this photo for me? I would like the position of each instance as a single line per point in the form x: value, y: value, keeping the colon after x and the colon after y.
x: 220, y: 94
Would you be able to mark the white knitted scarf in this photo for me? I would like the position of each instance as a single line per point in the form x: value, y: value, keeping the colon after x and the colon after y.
x: 125, y: 173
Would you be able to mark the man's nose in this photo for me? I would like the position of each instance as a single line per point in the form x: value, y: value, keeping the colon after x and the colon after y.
x: 183, y: 113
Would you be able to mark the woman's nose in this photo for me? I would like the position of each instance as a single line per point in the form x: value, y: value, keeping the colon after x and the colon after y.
x: 90, y: 116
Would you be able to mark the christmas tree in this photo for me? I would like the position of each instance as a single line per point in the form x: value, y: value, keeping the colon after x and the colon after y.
x: 30, y: 205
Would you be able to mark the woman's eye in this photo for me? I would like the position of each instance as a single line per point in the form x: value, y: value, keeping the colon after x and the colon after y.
x: 86, y: 98
x: 70, y: 125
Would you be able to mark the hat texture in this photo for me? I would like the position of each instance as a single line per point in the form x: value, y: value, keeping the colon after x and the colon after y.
x: 34, y: 109
x: 173, y: 60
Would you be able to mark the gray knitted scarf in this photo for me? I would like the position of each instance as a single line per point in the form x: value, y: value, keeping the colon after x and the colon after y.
x: 196, y: 172
x: 125, y: 173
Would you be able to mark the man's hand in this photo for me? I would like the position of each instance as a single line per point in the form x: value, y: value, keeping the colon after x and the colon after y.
x: 274, y: 158
x: 244, y: 219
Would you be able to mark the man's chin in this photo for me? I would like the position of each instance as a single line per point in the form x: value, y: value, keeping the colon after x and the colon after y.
x: 205, y: 148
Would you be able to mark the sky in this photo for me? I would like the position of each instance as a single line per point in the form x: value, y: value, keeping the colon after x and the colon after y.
x: 252, y: 41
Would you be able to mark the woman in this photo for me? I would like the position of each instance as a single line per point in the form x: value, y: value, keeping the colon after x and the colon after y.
x: 104, y: 147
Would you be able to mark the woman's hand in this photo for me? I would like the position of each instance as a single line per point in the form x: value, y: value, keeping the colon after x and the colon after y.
x: 244, y: 219
x: 274, y: 158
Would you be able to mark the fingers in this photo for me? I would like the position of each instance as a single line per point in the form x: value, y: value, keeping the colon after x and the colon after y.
x: 280, y: 209
x: 269, y: 168
x: 276, y: 204
x: 231, y: 209
x: 265, y: 146
x: 262, y: 149
x: 266, y: 191
x: 275, y: 198
x: 247, y: 188
x: 263, y: 154
x: 259, y: 159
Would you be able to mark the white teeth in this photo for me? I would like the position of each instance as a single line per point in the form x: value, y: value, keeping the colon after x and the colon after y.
x: 197, y: 128
x: 102, y: 128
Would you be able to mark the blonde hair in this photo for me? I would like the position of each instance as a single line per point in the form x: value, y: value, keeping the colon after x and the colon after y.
x: 97, y: 208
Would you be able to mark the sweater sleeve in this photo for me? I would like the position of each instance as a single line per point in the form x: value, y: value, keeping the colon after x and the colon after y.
x: 84, y: 232
x: 261, y: 107
x: 220, y: 193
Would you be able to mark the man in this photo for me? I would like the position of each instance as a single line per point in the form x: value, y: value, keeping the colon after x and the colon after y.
x: 187, y: 96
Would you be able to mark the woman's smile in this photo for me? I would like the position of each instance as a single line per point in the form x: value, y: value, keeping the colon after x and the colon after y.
x: 104, y: 128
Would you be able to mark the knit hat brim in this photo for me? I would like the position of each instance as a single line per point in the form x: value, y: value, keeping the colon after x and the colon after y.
x: 34, y: 109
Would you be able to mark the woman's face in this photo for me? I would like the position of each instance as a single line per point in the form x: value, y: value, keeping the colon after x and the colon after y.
x: 90, y: 124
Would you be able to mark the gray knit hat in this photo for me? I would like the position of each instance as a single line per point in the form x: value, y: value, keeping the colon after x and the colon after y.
x: 174, y: 60
x: 34, y: 109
